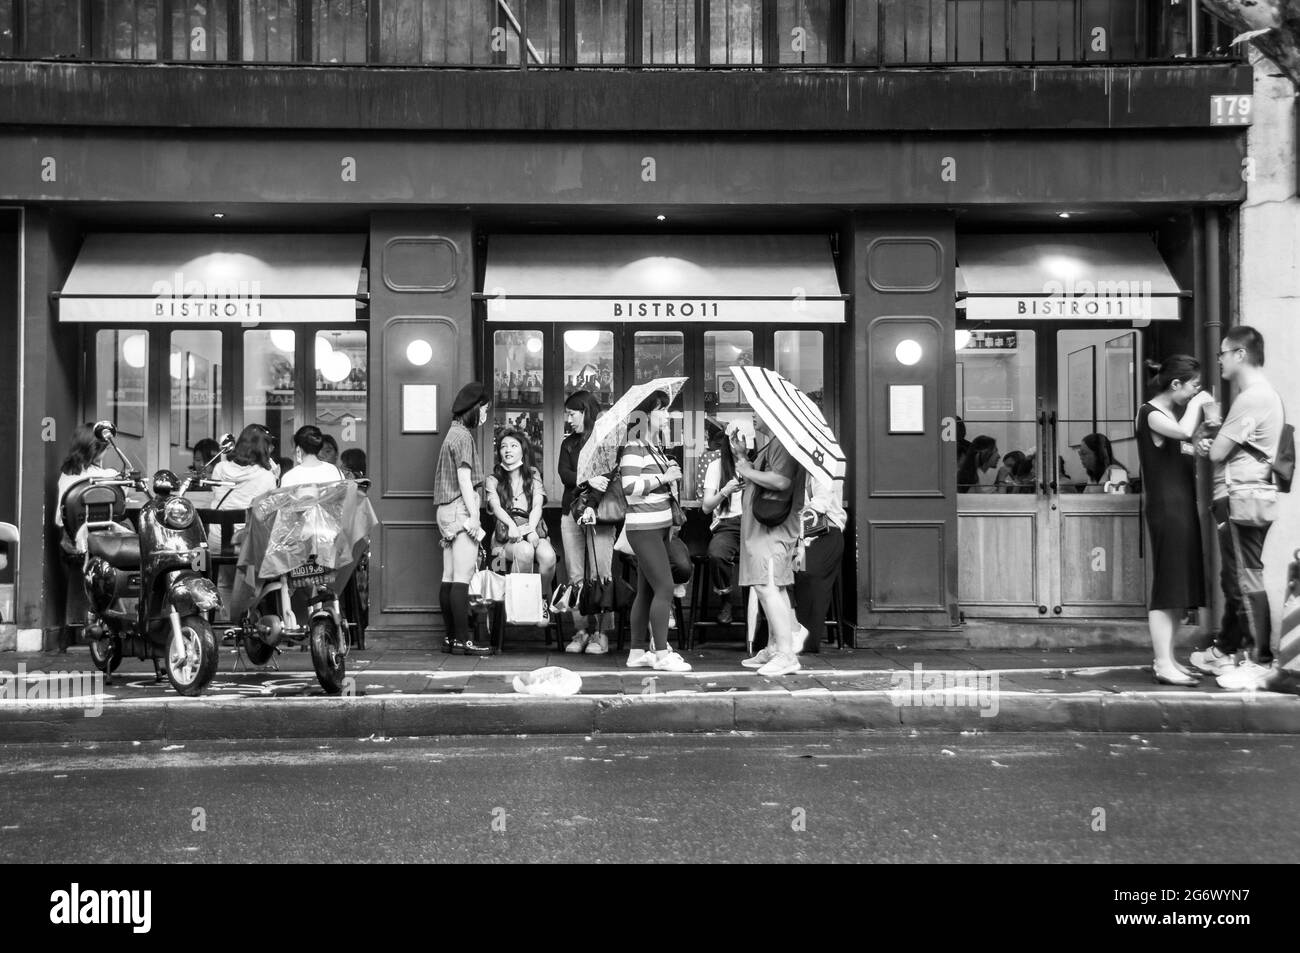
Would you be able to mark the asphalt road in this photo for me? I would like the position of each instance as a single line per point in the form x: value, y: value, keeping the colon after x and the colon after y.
x: 713, y: 798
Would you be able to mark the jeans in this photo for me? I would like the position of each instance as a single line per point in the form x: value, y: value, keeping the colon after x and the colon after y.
x: 724, y: 549
x: 574, y: 538
x: 1247, y: 619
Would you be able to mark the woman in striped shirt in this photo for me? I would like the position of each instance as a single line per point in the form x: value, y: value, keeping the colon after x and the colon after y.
x: 650, y: 480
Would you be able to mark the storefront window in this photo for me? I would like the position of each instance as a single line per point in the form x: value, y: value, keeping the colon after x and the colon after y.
x: 7, y: 27
x: 52, y: 28
x: 518, y: 389
x: 341, y: 391
x: 735, y: 31
x: 124, y: 30
x: 194, y: 375
x: 122, y: 389
x: 657, y: 354
x: 601, y: 31
x: 269, y: 384
x: 338, y: 31
x: 800, y: 360
x: 199, y: 31
x: 459, y: 33
x: 668, y: 31
x: 722, y: 397
x: 270, y: 30
x: 996, y: 402
x: 803, y: 30
x: 589, y: 364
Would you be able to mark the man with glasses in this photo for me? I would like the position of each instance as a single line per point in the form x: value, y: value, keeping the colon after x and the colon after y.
x: 1242, y: 452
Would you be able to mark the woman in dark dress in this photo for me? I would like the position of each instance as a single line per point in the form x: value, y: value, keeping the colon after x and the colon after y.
x: 1165, y: 426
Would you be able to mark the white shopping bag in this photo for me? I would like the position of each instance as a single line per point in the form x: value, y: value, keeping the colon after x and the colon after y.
x: 524, y: 604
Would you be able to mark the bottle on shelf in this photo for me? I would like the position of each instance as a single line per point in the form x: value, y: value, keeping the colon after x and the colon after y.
x: 512, y: 394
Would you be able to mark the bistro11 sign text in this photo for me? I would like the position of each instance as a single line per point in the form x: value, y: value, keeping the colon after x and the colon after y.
x: 1106, y: 301
x: 790, y: 310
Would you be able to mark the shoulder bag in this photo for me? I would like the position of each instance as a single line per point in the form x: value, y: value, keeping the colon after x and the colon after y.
x: 772, y: 507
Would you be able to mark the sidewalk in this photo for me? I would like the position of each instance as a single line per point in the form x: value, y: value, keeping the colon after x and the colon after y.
x: 404, y: 691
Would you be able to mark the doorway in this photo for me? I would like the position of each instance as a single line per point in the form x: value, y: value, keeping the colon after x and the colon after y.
x: 1049, y: 504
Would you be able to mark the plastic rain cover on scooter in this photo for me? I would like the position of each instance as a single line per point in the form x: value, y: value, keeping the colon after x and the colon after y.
x: 286, y: 527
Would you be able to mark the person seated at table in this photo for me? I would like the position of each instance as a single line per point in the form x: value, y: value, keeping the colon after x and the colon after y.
x: 1105, y: 473
x: 723, y: 501
x: 976, y: 470
x: 353, y: 462
x: 514, y: 495
x: 309, y: 467
x: 248, y: 467
x: 84, y: 461
x: 1016, y: 474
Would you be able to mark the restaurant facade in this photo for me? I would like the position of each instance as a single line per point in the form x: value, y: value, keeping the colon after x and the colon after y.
x: 950, y: 224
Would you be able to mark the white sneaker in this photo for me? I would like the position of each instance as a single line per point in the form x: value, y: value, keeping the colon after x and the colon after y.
x: 1212, y: 661
x: 800, y: 638
x: 598, y: 644
x: 579, y: 642
x: 669, y: 661
x: 782, y: 663
x: 672, y: 621
x: 640, y: 658
x: 1247, y: 676
x: 761, y: 658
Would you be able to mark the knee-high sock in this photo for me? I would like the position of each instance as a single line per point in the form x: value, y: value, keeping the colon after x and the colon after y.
x: 459, y: 601
x: 444, y: 603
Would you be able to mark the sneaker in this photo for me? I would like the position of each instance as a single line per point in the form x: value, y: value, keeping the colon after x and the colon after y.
x: 800, y: 638
x: 782, y: 663
x: 1246, y: 676
x: 724, y: 614
x: 1212, y: 661
x: 669, y: 661
x: 761, y: 658
x: 672, y: 621
x: 598, y: 644
x: 679, y: 592
x: 640, y: 658
x: 579, y: 642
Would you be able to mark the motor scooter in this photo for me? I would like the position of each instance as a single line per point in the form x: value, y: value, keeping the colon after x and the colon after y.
x: 146, y: 590
x: 303, y: 544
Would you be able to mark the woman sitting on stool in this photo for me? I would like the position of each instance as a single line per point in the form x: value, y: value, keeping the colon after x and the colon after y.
x: 515, y: 496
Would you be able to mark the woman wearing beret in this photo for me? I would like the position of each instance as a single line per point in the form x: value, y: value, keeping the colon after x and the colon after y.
x: 457, y: 480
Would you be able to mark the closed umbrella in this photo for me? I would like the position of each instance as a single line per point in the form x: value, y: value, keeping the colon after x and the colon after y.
x: 599, y: 454
x: 793, y: 419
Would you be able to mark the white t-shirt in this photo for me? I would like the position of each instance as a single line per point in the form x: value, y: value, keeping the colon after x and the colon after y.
x: 1255, y: 418
x: 712, y: 484
x: 318, y: 472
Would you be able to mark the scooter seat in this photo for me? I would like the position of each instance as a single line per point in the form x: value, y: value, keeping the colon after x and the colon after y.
x: 120, y: 551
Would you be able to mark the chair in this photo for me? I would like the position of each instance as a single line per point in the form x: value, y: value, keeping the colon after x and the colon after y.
x: 495, y: 618
x: 227, y: 554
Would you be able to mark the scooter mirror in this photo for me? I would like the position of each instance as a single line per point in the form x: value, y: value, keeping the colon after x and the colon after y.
x: 165, y: 483
x: 105, y: 430
x: 227, y: 442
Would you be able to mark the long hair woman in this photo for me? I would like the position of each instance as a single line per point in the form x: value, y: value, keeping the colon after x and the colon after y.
x: 249, y: 468
x: 83, y: 461
x: 515, y: 497
x: 650, y: 478
x: 1165, y: 425
x: 580, y: 412
x: 1105, y: 473
x: 457, y: 479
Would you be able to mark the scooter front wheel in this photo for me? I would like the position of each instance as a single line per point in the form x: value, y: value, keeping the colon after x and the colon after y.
x: 106, y: 654
x: 327, y: 655
x: 192, y: 668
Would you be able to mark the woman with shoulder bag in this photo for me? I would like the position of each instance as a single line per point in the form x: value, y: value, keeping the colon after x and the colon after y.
x: 723, y: 500
x: 822, y: 521
x: 578, y: 518
x: 515, y: 496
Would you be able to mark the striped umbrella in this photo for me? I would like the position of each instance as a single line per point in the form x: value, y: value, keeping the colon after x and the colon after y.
x: 793, y: 419
x: 599, y: 454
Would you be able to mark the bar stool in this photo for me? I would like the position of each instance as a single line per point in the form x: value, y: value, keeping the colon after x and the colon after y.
x: 702, y: 599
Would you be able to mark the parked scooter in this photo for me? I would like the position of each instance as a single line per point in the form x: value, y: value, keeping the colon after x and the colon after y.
x: 147, y: 593
x: 312, y: 536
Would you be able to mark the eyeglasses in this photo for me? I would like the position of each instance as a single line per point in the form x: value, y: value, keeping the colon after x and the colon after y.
x: 1230, y: 350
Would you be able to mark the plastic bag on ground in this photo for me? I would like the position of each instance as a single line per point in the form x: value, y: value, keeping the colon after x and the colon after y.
x: 551, y: 680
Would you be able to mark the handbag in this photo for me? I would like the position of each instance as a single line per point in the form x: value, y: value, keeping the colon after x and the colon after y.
x: 520, y: 517
x: 561, y: 599
x: 486, y: 586
x: 772, y: 507
x: 679, y: 561
x: 1252, y: 504
x: 612, y: 506
x: 523, y: 599
x: 813, y: 524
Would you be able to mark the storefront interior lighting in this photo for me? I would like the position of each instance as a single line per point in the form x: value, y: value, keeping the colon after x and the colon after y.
x: 218, y: 214
x: 581, y: 341
x: 135, y: 350
x: 962, y: 337
x: 1062, y: 214
x: 337, y: 368
x: 175, y: 367
x: 908, y: 352
x: 323, y: 351
x: 283, y: 340
x: 661, y: 218
x: 533, y: 345
x: 419, y: 352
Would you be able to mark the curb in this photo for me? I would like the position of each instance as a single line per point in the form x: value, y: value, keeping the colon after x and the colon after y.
x: 207, y: 719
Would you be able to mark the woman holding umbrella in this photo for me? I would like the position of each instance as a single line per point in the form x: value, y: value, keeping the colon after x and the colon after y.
x: 649, y: 480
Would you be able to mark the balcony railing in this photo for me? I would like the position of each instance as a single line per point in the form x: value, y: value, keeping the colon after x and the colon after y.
x: 658, y: 34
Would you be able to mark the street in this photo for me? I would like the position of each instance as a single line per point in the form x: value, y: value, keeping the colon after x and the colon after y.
x: 1095, y: 798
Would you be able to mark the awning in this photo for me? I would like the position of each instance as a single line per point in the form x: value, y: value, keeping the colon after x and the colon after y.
x: 1119, y: 277
x: 211, y: 278
x: 670, y: 279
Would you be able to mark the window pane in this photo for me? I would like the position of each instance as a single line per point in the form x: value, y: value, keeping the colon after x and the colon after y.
x: 735, y: 31
x: 668, y: 31
x: 660, y: 354
x: 194, y: 372
x: 338, y: 31
x: 122, y: 389
x: 589, y: 364
x: 52, y: 28
x: 455, y: 32
x: 601, y: 30
x: 7, y: 27
x: 803, y: 30
x: 341, y: 391
x: 199, y: 31
x: 124, y: 30
x: 270, y: 29
x: 518, y: 390
x: 268, y: 385
x: 997, y: 434
x: 544, y: 31
x: 799, y: 359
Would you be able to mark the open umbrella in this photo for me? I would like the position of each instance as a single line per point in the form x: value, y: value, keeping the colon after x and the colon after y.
x: 793, y: 419
x: 599, y: 454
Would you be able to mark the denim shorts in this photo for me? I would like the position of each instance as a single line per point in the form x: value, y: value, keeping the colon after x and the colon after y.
x: 451, y: 519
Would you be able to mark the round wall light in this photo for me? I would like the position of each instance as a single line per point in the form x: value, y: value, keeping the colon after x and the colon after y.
x: 323, y: 351
x: 533, y: 345
x: 581, y: 341
x: 283, y: 340
x: 337, y: 368
x: 419, y: 352
x: 908, y: 352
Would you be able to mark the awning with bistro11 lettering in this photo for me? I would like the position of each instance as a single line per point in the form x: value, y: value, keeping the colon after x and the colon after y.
x: 670, y: 279
x: 207, y: 278
x: 1064, y: 277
